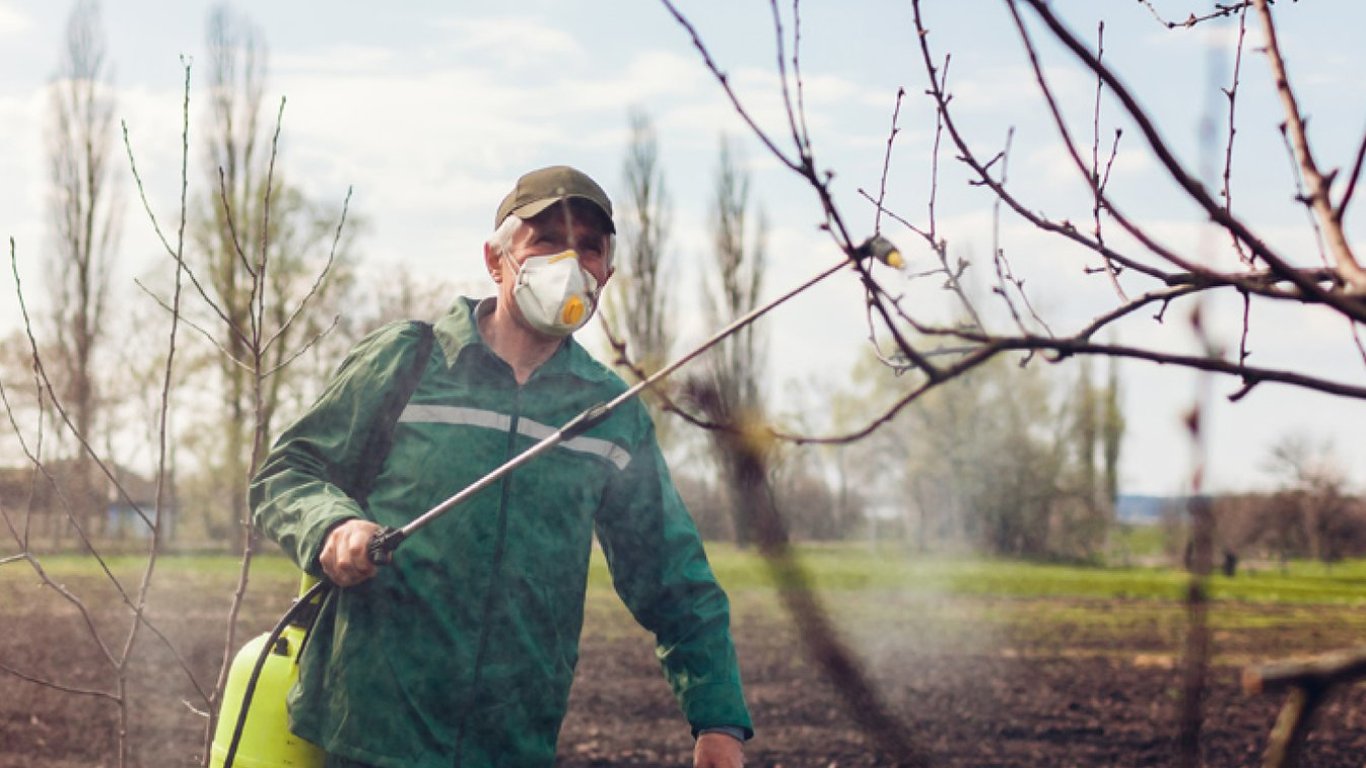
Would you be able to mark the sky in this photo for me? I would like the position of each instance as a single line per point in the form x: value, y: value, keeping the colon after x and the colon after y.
x: 429, y: 110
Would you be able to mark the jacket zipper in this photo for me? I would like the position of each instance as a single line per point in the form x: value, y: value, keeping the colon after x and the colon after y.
x: 495, y: 569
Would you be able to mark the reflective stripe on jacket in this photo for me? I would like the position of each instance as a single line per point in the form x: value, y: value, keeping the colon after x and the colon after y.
x: 462, y: 651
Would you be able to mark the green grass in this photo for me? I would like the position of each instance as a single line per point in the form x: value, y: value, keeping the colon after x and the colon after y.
x: 854, y: 568
x: 1139, y: 540
x: 268, y: 566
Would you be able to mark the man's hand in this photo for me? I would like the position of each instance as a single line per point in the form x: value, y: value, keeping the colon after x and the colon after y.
x: 718, y: 750
x: 344, y: 558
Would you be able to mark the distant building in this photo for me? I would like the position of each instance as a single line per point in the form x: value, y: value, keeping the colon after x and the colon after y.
x: 43, y: 500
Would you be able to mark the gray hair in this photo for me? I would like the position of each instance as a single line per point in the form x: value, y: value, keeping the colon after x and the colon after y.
x: 501, y: 239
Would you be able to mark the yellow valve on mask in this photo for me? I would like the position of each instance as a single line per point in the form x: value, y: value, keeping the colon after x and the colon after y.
x: 572, y: 311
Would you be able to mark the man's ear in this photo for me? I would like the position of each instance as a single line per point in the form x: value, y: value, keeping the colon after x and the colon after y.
x: 493, y: 263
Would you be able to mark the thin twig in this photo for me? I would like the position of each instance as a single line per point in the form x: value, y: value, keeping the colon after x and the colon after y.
x: 259, y: 283
x: 724, y: 80
x: 1196, y: 191
x: 1221, y: 10
x: 782, y: 77
x: 1356, y: 338
x: 208, y: 336
x: 315, y: 289
x: 151, y: 215
x: 57, y: 686
x: 805, y: 144
x: 303, y: 348
x: 1353, y: 178
x: 887, y: 161
x: 1297, y: 173
x: 163, y: 417
x: 1232, y: 94
x: 45, y: 384
x: 1099, y: 180
x: 940, y: 85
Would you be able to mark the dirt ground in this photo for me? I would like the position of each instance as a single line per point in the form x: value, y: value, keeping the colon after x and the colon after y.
x: 979, y: 682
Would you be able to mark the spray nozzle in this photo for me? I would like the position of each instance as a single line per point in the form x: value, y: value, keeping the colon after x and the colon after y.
x: 882, y: 249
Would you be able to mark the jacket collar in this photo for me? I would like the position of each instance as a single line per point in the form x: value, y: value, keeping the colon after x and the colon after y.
x: 459, y: 330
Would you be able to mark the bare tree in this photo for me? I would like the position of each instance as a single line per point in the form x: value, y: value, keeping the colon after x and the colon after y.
x: 1093, y: 481
x: 117, y: 645
x: 1112, y: 426
x: 84, y: 210
x: 1002, y: 461
x: 636, y: 307
x: 733, y: 290
x: 1313, y: 493
x: 263, y: 294
x: 1129, y: 266
x: 253, y: 216
x: 638, y: 302
x: 229, y: 217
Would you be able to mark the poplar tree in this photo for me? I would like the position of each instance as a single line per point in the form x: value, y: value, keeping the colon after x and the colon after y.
x: 84, y: 211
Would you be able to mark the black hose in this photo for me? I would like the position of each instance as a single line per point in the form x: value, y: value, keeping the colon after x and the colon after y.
x: 305, y: 601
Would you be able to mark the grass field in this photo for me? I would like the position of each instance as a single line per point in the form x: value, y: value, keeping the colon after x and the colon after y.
x: 845, y: 569
x: 866, y: 592
x: 990, y: 662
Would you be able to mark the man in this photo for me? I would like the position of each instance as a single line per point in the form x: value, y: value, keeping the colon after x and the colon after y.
x: 461, y: 652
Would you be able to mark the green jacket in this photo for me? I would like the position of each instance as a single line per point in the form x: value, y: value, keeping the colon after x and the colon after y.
x: 461, y: 652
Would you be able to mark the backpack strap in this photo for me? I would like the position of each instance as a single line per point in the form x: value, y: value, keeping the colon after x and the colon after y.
x: 381, y: 438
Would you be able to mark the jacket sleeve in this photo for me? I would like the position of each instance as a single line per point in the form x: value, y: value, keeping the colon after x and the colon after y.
x: 299, y: 494
x: 661, y: 572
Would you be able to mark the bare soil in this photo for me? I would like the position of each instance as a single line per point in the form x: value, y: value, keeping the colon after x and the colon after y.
x: 979, y: 682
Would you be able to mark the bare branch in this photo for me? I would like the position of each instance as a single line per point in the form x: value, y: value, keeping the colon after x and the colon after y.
x: 317, y: 283
x: 797, y: 136
x: 1221, y: 10
x: 724, y: 80
x: 163, y: 416
x: 303, y: 349
x: 1297, y: 172
x: 1232, y: 94
x: 1352, y: 179
x: 258, y: 283
x: 1346, y: 305
x: 174, y: 253
x: 209, y: 337
x: 983, y: 170
x: 805, y: 142
x: 1099, y: 180
x: 887, y: 161
x: 1356, y: 337
x: 230, y: 221
x: 1319, y: 184
x: 44, y: 682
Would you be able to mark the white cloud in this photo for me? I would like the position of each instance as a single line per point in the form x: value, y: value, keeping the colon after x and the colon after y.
x: 514, y: 41
x: 22, y: 166
x: 337, y: 60
x: 1013, y: 88
x: 13, y: 21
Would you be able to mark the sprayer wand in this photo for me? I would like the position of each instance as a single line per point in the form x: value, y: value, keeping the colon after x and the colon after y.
x: 382, y: 546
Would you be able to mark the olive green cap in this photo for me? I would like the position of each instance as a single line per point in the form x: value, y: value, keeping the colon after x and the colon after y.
x: 540, y: 189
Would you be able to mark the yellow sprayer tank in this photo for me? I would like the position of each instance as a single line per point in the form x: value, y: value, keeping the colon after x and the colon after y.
x: 266, y: 741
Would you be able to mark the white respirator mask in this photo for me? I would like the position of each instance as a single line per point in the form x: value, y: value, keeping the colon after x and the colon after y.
x: 556, y: 295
